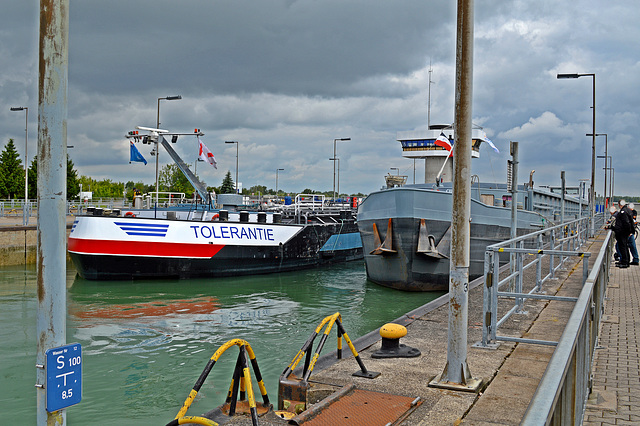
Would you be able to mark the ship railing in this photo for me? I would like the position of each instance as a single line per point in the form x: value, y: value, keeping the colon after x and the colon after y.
x: 562, y: 393
x: 308, y: 202
x: 556, y: 244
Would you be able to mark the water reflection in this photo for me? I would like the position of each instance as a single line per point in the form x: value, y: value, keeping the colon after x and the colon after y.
x: 146, y: 342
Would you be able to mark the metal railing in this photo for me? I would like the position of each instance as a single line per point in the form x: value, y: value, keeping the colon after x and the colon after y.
x: 561, y: 242
x: 561, y: 396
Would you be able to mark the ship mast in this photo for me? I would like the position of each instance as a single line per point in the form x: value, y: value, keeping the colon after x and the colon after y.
x: 429, y: 97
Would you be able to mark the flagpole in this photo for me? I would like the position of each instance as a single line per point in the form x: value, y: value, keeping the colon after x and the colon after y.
x: 450, y: 153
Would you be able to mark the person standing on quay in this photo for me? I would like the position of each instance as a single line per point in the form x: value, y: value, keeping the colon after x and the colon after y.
x: 623, y: 228
x: 632, y: 241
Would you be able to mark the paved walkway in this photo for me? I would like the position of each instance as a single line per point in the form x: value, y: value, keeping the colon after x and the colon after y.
x: 616, y: 374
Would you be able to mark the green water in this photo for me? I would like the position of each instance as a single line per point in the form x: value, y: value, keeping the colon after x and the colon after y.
x: 146, y: 342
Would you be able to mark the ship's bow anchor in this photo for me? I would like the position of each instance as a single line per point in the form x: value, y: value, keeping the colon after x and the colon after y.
x: 427, y: 242
x: 383, y: 248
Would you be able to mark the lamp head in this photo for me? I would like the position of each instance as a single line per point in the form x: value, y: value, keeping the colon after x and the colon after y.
x: 560, y: 76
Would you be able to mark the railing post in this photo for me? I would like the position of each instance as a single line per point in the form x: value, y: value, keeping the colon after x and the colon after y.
x: 585, y: 268
x: 494, y: 295
x: 519, y: 279
x: 552, y: 258
x: 539, y: 265
x: 486, y: 303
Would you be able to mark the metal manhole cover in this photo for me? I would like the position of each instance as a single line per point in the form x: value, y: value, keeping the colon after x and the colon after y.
x: 362, y: 407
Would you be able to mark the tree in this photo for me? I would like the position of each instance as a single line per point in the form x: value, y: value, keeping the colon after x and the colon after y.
x: 73, y: 182
x: 73, y: 186
x: 33, y: 179
x: 258, y: 190
x: 227, y: 186
x: 11, y: 172
x: 172, y: 179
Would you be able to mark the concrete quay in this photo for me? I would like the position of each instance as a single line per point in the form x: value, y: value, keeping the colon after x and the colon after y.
x: 18, y: 243
x: 510, y: 374
x: 615, y: 399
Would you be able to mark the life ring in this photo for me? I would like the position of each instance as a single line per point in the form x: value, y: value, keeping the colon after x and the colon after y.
x: 354, y: 202
x: 215, y: 217
x: 129, y: 214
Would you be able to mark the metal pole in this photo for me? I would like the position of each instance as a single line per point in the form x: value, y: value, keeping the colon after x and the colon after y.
x: 456, y: 374
x: 593, y: 161
x: 613, y: 181
x: 25, y: 211
x: 334, y: 164
x: 612, y: 176
x: 157, y: 150
x: 166, y: 98
x: 334, y: 170
x: 52, y: 177
x: 237, y: 152
x: 277, y: 170
x: 563, y: 188
x: 513, y: 146
x: 606, y: 147
x: 25, y: 217
x: 338, y: 160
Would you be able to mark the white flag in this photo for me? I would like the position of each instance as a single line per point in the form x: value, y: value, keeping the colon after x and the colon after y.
x: 206, y: 155
x: 487, y: 140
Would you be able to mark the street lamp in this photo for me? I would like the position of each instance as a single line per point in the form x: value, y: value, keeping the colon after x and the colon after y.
x: 593, y: 145
x: 606, y: 145
x: 25, y: 218
x: 334, y: 164
x: 277, y: 170
x: 613, y: 180
x: 607, y: 168
x: 195, y: 166
x: 236, y: 142
x: 607, y: 159
x: 166, y: 98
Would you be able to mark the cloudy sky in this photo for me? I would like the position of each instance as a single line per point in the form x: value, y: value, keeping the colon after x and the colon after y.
x: 287, y: 77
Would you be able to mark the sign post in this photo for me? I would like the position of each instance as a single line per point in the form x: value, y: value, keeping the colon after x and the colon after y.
x: 64, y: 376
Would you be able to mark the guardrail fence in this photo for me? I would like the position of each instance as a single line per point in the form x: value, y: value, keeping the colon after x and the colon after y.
x: 561, y: 396
x: 557, y: 243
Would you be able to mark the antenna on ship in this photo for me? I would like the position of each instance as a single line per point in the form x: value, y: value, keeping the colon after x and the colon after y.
x: 429, y: 97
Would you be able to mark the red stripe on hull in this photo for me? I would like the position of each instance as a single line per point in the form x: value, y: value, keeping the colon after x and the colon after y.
x: 143, y: 248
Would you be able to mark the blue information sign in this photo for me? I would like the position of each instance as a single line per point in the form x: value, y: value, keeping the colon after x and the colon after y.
x: 64, y: 376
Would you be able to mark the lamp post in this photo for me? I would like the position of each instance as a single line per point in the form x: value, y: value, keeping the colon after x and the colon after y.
x: 613, y: 180
x: 277, y: 170
x: 25, y: 217
x: 607, y: 166
x: 195, y: 166
x: 334, y: 165
x: 592, y: 204
x: 237, y: 144
x: 606, y: 145
x: 166, y: 98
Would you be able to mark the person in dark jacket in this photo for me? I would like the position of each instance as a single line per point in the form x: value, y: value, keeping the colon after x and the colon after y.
x: 622, y: 228
x: 632, y: 241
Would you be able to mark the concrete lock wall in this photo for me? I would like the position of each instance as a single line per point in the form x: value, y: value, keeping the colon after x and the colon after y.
x: 18, y: 245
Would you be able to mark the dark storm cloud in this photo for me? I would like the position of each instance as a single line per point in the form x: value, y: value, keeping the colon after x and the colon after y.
x: 287, y: 77
x: 316, y: 48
